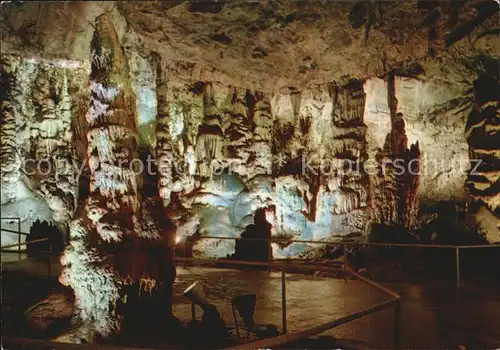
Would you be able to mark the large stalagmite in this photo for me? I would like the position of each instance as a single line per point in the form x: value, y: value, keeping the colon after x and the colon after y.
x: 164, y: 147
x: 120, y: 250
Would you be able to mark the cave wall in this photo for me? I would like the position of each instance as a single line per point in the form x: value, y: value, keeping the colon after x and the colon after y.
x: 39, y: 166
x: 267, y: 151
x: 262, y: 135
x: 266, y: 139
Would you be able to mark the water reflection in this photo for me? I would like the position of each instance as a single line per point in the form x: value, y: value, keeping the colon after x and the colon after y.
x: 433, y: 316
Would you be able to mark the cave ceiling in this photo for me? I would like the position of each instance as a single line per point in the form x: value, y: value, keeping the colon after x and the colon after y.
x: 272, y: 45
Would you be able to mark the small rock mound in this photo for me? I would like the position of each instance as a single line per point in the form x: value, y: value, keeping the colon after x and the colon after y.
x: 52, y: 313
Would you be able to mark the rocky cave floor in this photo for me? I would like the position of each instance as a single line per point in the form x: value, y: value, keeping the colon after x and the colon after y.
x: 435, y: 313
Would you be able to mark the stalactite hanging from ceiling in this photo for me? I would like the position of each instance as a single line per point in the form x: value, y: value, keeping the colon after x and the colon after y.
x: 238, y: 132
x: 349, y: 144
x: 239, y: 150
x: 263, y: 120
x: 349, y: 102
x: 210, y: 141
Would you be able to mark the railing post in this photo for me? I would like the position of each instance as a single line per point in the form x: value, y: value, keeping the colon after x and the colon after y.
x: 345, y: 256
x: 457, y: 261
x: 193, y: 312
x: 19, y: 237
x: 283, y: 299
x: 397, y: 325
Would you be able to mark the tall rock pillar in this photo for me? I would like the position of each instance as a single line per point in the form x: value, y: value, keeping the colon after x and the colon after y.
x: 120, y: 253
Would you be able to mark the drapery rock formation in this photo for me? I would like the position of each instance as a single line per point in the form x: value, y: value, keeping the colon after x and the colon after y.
x: 482, y: 133
x: 39, y: 168
x: 51, y: 141
x: 120, y: 239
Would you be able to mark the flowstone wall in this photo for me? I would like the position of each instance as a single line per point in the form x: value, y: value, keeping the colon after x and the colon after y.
x: 226, y: 151
x: 207, y: 101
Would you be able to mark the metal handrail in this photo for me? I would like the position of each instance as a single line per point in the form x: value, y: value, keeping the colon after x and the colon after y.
x: 381, y: 244
x: 354, y: 244
x: 19, y: 233
x: 16, y: 232
x: 276, y: 264
x: 265, y: 343
x: 47, y: 253
x: 283, y: 265
x: 24, y: 243
x: 292, y: 337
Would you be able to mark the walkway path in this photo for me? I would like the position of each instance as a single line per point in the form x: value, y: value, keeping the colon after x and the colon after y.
x: 434, y: 316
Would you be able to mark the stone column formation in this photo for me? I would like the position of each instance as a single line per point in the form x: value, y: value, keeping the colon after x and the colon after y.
x: 164, y: 148
x: 11, y: 158
x: 118, y: 245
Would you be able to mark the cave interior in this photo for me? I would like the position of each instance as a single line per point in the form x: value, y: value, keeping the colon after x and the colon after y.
x: 136, y: 128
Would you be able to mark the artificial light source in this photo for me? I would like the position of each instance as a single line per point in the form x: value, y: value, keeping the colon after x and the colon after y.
x: 177, y: 239
x: 196, y: 295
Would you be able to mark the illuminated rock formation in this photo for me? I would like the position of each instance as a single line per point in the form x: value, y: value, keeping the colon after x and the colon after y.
x: 119, y: 246
x: 482, y: 133
x: 51, y: 142
x: 11, y: 159
x: 164, y: 149
x: 263, y: 120
x: 210, y: 140
x: 394, y: 199
x: 39, y: 168
x: 268, y: 105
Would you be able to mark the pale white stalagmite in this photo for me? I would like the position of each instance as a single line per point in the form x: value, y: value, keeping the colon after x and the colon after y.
x: 112, y: 234
x: 96, y: 287
x: 164, y: 152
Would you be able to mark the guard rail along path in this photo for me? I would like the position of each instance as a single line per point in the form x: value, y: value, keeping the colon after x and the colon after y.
x: 283, y: 265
